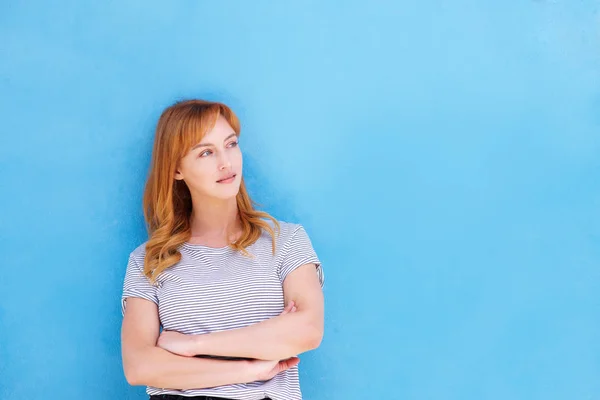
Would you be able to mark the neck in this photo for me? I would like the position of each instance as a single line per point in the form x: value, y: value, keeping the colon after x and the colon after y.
x: 215, y: 219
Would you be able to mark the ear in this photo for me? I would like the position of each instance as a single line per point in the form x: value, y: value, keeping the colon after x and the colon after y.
x: 178, y: 175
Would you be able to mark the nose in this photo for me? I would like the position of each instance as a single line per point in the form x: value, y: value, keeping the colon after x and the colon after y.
x: 224, y: 163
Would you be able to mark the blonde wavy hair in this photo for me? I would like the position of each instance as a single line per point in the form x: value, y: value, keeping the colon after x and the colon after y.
x: 167, y: 202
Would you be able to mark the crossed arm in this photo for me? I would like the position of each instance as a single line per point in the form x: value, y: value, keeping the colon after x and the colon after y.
x: 164, y: 360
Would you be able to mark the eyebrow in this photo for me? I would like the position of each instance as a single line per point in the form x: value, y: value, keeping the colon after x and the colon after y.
x: 210, y: 144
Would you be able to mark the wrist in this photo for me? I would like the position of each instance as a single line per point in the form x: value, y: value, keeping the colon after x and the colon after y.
x: 247, y: 371
x: 197, y: 345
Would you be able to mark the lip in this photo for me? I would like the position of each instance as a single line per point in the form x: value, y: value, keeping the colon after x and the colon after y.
x: 229, y: 179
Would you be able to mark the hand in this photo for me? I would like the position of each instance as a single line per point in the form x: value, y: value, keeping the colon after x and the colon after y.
x: 265, y: 370
x: 177, y: 343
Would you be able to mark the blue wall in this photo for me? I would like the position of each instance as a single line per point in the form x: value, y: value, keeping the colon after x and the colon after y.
x: 443, y: 156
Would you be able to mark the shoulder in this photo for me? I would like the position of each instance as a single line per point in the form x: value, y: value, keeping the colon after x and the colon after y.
x: 289, y: 227
x: 288, y: 231
x: 139, y: 253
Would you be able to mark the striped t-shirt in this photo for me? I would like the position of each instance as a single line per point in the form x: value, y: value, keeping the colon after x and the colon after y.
x: 215, y: 289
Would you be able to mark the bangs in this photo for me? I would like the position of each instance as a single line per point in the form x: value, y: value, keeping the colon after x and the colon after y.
x: 199, y: 120
x: 196, y: 124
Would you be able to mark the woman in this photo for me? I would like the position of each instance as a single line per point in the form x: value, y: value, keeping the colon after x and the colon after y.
x: 237, y: 293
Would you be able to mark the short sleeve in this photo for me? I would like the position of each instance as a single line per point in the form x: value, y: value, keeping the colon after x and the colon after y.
x: 298, y: 250
x: 136, y: 284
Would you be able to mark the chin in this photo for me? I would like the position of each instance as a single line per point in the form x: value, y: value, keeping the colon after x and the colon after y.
x: 227, y: 194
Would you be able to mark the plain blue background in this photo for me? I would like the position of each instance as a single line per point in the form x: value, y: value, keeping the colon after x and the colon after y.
x: 442, y: 155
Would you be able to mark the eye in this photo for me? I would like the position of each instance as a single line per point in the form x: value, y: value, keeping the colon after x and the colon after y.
x: 207, y: 152
x: 233, y: 144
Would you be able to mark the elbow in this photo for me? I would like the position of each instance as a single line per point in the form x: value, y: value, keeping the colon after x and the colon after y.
x: 313, y: 336
x: 136, y: 374
x: 311, y: 332
x: 133, y: 375
x: 316, y: 337
x: 305, y: 337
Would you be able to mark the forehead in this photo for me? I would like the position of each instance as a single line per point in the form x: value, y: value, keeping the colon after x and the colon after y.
x: 197, y: 129
x: 220, y: 133
x: 221, y: 129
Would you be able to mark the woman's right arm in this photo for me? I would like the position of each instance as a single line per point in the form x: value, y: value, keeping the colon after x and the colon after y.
x: 146, y: 364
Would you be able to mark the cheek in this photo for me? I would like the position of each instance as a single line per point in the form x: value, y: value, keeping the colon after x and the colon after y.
x: 199, y: 174
x: 238, y: 159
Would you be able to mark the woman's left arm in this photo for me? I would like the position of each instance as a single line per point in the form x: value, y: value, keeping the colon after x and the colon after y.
x: 278, y: 338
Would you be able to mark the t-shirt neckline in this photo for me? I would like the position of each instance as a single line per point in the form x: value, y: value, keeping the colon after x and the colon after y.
x: 195, y: 246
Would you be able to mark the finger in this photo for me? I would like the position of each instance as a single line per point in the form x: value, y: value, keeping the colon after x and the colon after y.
x: 289, y: 363
x: 288, y: 308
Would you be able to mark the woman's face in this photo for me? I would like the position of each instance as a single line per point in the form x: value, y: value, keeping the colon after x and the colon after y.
x: 215, y: 158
